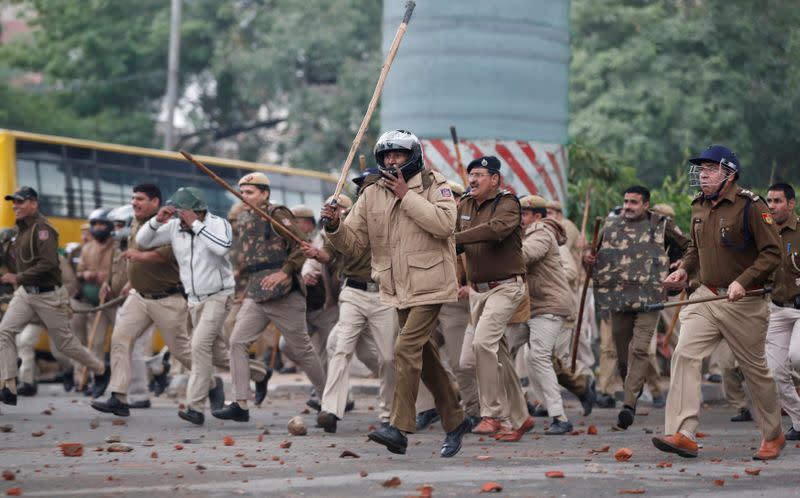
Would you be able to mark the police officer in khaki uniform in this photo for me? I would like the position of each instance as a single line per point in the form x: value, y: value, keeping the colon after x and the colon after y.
x: 635, y: 251
x: 783, y: 335
x: 735, y: 248
x: 272, y: 262
x: 39, y: 295
x: 489, y: 231
x: 155, y: 297
x: 406, y: 220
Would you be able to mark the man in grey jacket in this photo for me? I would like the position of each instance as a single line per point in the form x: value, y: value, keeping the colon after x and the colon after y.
x: 200, y: 241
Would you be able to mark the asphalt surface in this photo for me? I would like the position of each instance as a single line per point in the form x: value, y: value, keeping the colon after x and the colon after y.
x: 170, y: 456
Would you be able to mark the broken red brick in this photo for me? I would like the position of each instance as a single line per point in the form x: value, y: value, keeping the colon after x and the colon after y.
x: 591, y: 430
x: 554, y: 474
x: 228, y: 441
x: 392, y: 483
x: 71, y: 449
x: 491, y: 487
x: 752, y: 471
x: 8, y: 475
x: 348, y: 454
x: 623, y: 454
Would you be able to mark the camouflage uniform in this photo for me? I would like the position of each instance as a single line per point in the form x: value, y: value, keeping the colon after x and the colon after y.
x: 265, y: 251
x: 632, y: 262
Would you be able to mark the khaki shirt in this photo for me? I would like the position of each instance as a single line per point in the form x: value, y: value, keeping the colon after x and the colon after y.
x: 152, y: 278
x: 492, y: 237
x: 96, y: 257
x: 787, y: 277
x: 410, y: 239
x: 548, y: 286
x: 37, y: 252
x: 719, y: 251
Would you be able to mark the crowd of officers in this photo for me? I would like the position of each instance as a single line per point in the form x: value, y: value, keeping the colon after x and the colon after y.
x: 464, y: 305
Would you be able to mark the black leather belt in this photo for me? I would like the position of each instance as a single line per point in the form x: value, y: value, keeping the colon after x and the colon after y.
x: 161, y: 295
x: 266, y: 265
x: 364, y: 286
x: 788, y: 304
x: 39, y: 289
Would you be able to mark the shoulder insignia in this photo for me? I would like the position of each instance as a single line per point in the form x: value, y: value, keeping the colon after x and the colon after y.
x: 44, y: 234
x: 767, y: 217
x: 446, y: 192
x: 287, y: 222
x: 747, y: 193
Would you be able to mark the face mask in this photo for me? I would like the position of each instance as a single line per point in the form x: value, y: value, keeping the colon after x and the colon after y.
x: 122, y: 233
x: 100, y: 233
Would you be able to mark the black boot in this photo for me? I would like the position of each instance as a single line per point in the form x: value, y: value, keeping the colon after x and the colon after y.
x: 391, y: 437
x: 101, y: 382
x: 452, y: 441
x: 232, y: 412
x: 160, y: 382
x: 327, y: 421
x: 192, y: 416
x: 605, y: 401
x: 27, y: 389
x: 625, y: 417
x: 588, y: 399
x: 7, y: 397
x: 112, y: 405
x: 216, y: 395
x: 427, y: 418
x: 261, y: 388
x: 145, y: 403
x: 68, y: 379
x: 743, y: 416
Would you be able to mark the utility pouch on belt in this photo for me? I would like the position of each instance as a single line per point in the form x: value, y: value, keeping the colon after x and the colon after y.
x: 254, y: 290
x: 523, y: 312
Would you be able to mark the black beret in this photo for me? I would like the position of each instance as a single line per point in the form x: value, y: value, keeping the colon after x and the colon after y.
x: 489, y: 162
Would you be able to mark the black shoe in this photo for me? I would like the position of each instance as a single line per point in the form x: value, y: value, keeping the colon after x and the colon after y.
x: 192, y: 416
x: 452, y: 441
x: 659, y: 401
x: 714, y: 378
x: 101, y: 382
x: 743, y: 416
x: 327, y: 421
x: 27, y: 389
x: 792, y: 435
x: 588, y: 399
x: 88, y: 390
x: 261, y: 388
x: 391, y: 437
x: 384, y: 425
x: 427, y: 418
x: 68, y: 379
x: 7, y: 397
x: 473, y: 421
x: 605, y: 401
x: 160, y: 382
x: 538, y: 411
x: 232, y: 412
x: 112, y: 405
x: 625, y: 417
x: 145, y: 403
x: 314, y: 404
x: 216, y: 395
x: 559, y: 427
x: 349, y: 406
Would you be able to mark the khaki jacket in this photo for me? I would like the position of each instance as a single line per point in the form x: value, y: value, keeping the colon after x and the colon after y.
x: 547, y: 281
x: 411, y: 240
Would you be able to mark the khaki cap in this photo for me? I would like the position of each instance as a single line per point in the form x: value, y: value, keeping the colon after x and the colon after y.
x: 533, y: 202
x: 457, y: 188
x: 302, y: 211
x: 344, y: 201
x: 553, y: 205
x: 255, y: 178
x: 664, y: 210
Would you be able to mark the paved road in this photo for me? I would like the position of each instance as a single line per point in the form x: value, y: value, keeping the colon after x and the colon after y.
x: 312, y: 466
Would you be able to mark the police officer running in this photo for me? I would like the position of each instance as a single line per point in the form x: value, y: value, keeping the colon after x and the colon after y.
x: 734, y: 249
x: 39, y: 295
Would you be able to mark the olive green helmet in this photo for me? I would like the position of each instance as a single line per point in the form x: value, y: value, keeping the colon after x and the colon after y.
x: 188, y: 198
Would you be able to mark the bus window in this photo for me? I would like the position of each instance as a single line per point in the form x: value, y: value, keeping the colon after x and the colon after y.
x: 26, y: 174
x: 83, y: 190
x: 52, y: 189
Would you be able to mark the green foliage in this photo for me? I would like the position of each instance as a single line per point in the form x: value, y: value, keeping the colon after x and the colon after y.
x: 653, y: 79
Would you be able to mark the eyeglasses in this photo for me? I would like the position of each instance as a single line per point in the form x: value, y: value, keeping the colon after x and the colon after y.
x: 477, y: 175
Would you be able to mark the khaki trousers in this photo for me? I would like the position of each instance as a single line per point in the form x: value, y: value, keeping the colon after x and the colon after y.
x: 633, y: 333
x: 81, y: 324
x: 142, y: 350
x: 319, y: 324
x: 499, y: 389
x: 361, y: 315
x: 26, y: 342
x: 417, y: 358
x: 744, y: 325
x: 607, y: 368
x: 545, y: 331
x: 783, y: 356
x: 288, y: 314
x: 51, y: 309
x: 135, y: 317
x: 208, y: 346
x: 453, y: 323
x: 732, y: 386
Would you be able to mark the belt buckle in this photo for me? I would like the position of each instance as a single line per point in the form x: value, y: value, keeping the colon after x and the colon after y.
x: 482, y: 286
x: 32, y: 289
x: 372, y: 287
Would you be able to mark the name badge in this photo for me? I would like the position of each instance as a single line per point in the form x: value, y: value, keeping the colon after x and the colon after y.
x: 466, y: 217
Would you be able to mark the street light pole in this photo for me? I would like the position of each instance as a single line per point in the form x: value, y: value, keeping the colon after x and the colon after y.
x: 172, y: 71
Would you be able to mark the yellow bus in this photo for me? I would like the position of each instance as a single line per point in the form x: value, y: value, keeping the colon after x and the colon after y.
x: 73, y: 177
